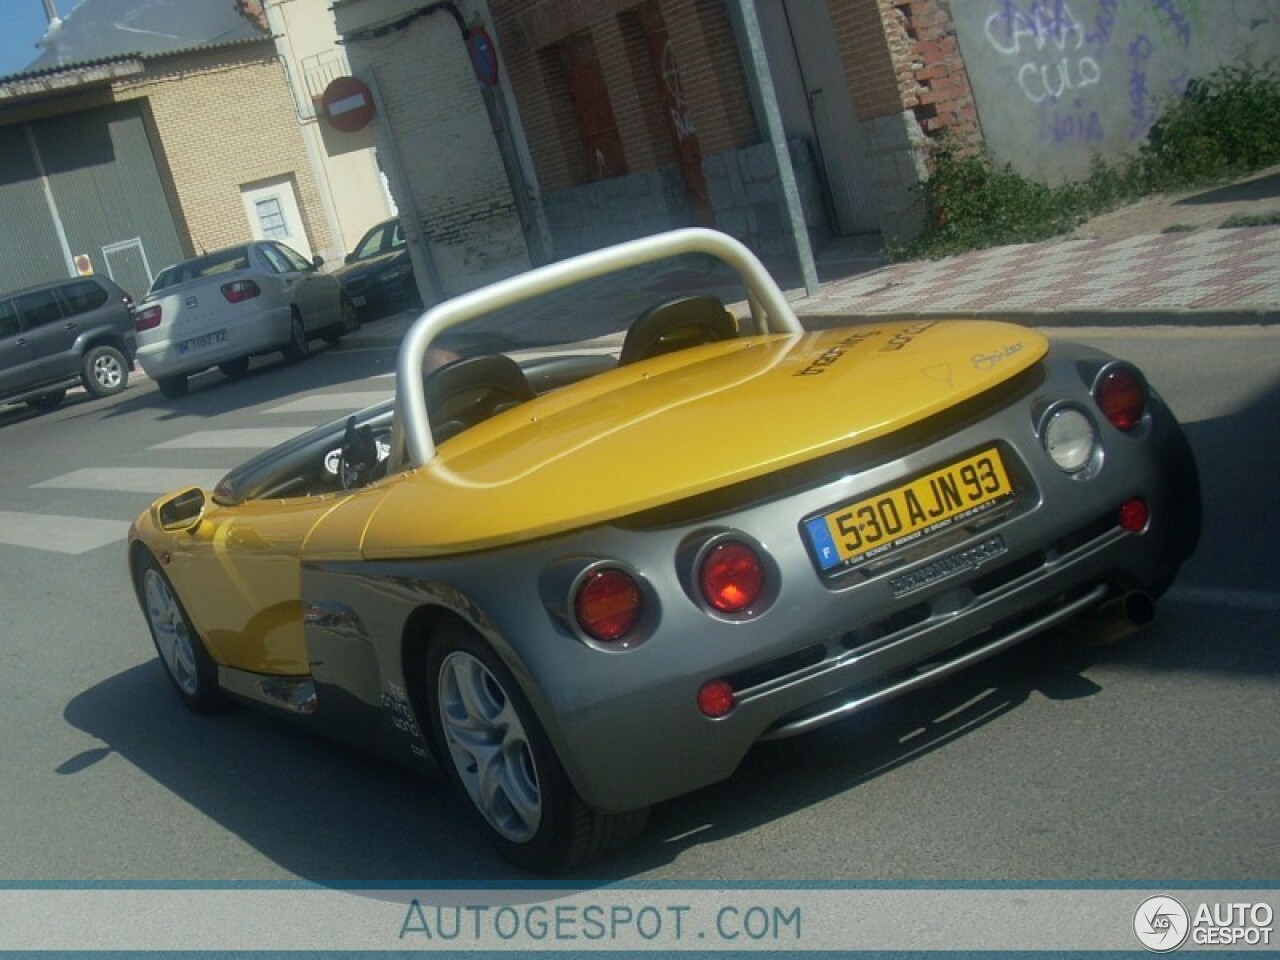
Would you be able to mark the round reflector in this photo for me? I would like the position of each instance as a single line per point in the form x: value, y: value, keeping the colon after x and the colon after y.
x: 607, y: 605
x: 731, y: 577
x: 1069, y: 439
x: 1121, y: 394
x: 715, y: 698
x: 1133, y: 515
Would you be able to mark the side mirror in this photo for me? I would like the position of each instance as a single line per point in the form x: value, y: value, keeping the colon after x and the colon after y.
x: 180, y: 513
x: 317, y: 261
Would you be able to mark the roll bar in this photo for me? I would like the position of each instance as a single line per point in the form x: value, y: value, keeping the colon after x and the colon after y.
x: 411, y: 441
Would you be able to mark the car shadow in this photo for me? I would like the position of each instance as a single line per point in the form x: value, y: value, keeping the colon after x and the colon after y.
x: 331, y: 815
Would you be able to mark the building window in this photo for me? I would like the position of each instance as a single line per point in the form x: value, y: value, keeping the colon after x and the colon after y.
x: 271, y: 219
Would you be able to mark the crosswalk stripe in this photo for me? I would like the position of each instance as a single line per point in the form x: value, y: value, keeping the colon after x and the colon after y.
x: 259, y: 438
x: 332, y: 401
x: 132, y: 479
x: 72, y: 535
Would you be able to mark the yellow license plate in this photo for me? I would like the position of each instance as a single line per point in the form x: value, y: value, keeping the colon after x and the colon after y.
x: 857, y: 532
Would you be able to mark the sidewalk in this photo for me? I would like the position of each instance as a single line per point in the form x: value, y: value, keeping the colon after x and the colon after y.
x: 1205, y: 277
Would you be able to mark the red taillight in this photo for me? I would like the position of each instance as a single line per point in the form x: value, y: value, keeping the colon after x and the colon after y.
x: 146, y: 319
x: 1122, y: 397
x: 607, y: 605
x: 240, y: 290
x: 716, y: 698
x: 1133, y: 515
x: 731, y: 577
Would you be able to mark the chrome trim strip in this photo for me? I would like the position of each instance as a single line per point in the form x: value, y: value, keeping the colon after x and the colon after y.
x: 1062, y: 614
x: 294, y: 694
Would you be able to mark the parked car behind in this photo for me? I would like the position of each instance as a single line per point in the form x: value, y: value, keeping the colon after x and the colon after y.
x: 378, y: 275
x: 222, y: 308
x: 72, y: 332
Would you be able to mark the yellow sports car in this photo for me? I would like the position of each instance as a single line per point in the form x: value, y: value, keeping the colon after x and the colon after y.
x: 586, y: 585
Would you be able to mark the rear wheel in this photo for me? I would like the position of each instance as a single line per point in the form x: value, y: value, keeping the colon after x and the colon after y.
x: 173, y: 387
x: 498, y: 757
x: 182, y: 653
x: 234, y: 369
x: 47, y: 401
x: 104, y: 371
x: 298, y: 346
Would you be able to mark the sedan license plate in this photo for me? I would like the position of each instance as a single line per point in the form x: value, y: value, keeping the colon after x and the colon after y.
x: 854, y: 533
x: 196, y: 343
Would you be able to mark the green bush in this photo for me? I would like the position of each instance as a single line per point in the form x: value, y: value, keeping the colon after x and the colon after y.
x: 1225, y: 125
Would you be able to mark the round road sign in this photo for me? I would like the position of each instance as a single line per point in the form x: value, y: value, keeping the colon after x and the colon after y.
x: 347, y: 103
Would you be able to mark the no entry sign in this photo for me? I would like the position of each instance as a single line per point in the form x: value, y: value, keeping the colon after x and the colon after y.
x: 347, y: 103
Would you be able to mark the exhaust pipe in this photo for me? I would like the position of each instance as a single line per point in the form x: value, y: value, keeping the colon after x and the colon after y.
x: 1119, y: 618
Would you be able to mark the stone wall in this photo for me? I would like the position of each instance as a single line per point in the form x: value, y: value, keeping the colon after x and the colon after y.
x: 745, y: 193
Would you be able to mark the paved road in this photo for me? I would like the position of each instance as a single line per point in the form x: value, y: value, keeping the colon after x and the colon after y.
x: 1151, y: 760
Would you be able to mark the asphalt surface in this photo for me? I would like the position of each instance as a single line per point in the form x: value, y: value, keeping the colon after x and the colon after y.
x: 1225, y: 277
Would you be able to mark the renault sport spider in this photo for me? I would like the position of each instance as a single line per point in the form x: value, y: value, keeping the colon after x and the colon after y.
x: 585, y: 585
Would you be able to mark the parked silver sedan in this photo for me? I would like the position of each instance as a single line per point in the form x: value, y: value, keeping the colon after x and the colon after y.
x: 221, y: 308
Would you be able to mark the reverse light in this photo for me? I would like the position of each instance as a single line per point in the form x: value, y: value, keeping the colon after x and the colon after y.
x: 731, y: 577
x: 147, y: 318
x: 1133, y: 515
x: 240, y: 290
x: 1069, y: 439
x: 716, y: 698
x: 607, y: 605
x: 1121, y: 395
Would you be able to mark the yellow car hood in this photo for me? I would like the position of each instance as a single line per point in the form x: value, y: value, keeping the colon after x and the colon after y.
x: 679, y: 425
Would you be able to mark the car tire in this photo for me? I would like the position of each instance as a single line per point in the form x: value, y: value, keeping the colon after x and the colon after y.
x: 350, y: 323
x: 104, y: 371
x: 234, y: 369
x: 182, y: 653
x: 497, y: 756
x: 173, y: 387
x: 47, y: 401
x: 298, y: 346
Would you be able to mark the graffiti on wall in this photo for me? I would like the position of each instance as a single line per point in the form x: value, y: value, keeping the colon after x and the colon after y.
x: 1059, y: 54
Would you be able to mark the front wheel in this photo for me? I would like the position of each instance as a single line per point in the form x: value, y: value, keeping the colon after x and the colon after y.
x: 186, y: 661
x: 498, y: 757
x: 104, y: 371
x: 349, y: 323
x: 298, y: 346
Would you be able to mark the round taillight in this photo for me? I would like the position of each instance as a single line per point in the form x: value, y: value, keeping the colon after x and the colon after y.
x: 716, y: 699
x: 1121, y: 395
x: 731, y: 577
x: 1133, y: 515
x: 607, y: 605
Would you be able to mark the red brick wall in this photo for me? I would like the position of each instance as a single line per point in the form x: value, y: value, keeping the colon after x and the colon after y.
x: 903, y: 55
x: 705, y: 52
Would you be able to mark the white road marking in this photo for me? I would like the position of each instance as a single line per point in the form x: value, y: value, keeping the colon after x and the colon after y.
x: 72, y: 535
x: 133, y: 479
x: 1254, y: 600
x: 332, y: 401
x: 260, y: 438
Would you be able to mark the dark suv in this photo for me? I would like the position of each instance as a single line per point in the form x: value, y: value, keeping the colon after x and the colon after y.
x: 58, y: 335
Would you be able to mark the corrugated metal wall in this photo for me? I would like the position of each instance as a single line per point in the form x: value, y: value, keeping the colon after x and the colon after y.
x: 106, y: 193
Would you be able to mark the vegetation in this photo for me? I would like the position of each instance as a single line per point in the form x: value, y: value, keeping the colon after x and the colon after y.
x: 1224, y: 126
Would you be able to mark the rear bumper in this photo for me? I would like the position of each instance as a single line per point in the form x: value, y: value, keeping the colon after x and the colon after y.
x: 182, y: 355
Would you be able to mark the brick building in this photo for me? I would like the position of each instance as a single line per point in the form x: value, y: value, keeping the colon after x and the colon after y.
x: 616, y: 118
